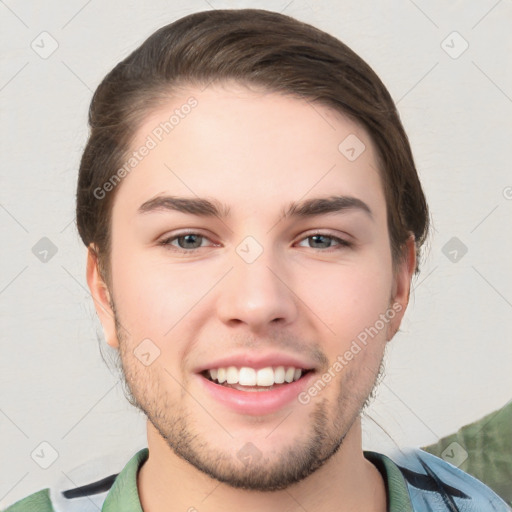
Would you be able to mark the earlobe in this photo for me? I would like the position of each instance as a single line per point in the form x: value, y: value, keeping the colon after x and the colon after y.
x: 101, y: 297
x: 402, y: 285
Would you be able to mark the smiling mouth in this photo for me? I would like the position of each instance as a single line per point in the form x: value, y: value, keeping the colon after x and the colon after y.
x: 251, y: 379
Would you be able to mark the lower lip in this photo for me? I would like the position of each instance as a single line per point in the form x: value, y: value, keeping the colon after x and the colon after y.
x: 256, y: 403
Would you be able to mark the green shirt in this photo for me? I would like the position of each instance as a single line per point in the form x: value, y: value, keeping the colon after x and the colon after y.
x: 124, y: 497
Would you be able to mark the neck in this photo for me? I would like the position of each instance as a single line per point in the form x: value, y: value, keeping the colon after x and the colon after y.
x: 346, y: 482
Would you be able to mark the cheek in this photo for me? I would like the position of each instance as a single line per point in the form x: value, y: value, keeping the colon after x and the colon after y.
x: 161, y: 302
x: 150, y: 298
x: 348, y: 299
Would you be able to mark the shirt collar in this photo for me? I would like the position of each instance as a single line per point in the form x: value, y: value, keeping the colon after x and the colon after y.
x: 396, y: 486
x: 124, y: 494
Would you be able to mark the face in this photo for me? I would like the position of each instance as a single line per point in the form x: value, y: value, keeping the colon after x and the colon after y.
x: 249, y: 244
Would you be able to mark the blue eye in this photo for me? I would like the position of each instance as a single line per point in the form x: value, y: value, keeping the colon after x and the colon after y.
x: 187, y: 242
x: 191, y: 242
x: 325, y: 241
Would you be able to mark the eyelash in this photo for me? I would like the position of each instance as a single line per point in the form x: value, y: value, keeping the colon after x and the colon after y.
x: 341, y: 243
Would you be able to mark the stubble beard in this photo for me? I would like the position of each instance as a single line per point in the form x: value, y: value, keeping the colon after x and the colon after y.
x: 264, y: 472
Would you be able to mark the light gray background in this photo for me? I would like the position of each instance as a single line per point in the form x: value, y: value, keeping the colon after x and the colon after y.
x: 450, y: 364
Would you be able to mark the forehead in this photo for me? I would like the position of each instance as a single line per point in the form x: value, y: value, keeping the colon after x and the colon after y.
x: 253, y: 148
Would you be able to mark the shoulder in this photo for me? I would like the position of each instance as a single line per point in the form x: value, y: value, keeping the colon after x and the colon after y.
x: 93, y: 482
x: 483, y: 449
x: 443, y: 486
x: 36, y: 502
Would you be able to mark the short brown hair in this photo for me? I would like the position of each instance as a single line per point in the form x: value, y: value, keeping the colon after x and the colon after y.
x: 253, y: 47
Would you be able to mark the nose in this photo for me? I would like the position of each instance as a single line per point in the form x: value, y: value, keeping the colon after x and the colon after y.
x: 257, y: 294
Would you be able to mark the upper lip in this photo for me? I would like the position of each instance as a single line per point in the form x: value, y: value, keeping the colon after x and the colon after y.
x: 257, y: 361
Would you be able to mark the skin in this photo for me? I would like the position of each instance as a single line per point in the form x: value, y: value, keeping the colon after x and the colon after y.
x: 255, y: 152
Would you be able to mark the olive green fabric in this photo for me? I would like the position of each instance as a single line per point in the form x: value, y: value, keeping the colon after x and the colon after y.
x: 37, y: 502
x: 396, y: 488
x: 488, y: 443
x: 124, y: 494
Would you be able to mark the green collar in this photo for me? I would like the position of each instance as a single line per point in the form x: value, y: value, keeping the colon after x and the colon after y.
x: 124, y: 494
x: 396, y: 488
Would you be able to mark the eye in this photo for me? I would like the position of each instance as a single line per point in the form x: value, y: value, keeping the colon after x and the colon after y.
x: 190, y: 242
x: 325, y: 241
x: 186, y: 242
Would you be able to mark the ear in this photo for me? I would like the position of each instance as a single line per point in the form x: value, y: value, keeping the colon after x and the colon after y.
x: 402, y: 286
x: 101, y: 296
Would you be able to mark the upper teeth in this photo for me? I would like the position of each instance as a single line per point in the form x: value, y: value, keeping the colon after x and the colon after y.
x: 246, y: 376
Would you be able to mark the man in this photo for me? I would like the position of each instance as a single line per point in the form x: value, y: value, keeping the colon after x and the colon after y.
x: 253, y: 219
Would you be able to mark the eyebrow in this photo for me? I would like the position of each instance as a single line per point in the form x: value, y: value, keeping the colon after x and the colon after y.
x: 211, y: 208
